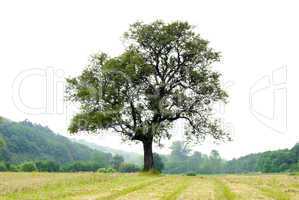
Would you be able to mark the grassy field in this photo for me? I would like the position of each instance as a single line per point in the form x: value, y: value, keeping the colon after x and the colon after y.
x: 97, y: 186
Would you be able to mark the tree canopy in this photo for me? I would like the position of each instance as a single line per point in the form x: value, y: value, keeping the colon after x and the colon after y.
x: 2, y: 143
x: 165, y: 74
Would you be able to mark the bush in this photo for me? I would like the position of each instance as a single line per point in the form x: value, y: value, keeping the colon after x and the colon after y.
x: 294, y: 167
x: 117, y: 160
x: 191, y: 174
x: 3, y: 167
x: 47, y: 166
x: 128, y: 168
x: 82, y: 166
x: 28, y: 167
x: 13, y: 168
x: 106, y: 170
x: 158, y: 163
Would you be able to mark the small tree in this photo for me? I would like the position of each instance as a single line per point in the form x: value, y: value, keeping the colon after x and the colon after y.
x: 128, y: 168
x: 28, y: 167
x: 47, y: 166
x: 179, y: 151
x: 2, y: 143
x: 164, y: 75
x: 3, y: 167
x: 158, y: 163
x: 117, y: 160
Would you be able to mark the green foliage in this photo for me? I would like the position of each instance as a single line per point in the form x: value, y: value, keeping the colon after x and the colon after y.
x: 2, y: 143
x: 129, y: 157
x: 158, y: 163
x: 195, y: 163
x: 117, y: 160
x: 30, y: 142
x: 47, y: 166
x: 128, y: 168
x: 28, y: 167
x: 3, y: 167
x: 82, y: 166
x: 164, y: 75
x: 191, y: 174
x: 106, y: 170
x: 268, y: 162
x: 179, y: 151
x: 13, y: 168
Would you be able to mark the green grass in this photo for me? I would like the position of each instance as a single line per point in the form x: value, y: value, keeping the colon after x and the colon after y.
x: 146, y: 186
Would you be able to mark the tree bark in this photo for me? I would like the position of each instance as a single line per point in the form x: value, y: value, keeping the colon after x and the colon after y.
x: 148, y: 155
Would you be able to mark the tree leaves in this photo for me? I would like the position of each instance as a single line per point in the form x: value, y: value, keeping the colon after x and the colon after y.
x: 163, y: 75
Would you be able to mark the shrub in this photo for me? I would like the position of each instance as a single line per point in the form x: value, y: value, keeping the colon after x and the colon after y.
x: 13, y: 168
x: 28, y: 167
x: 191, y: 174
x: 158, y: 163
x: 106, y: 170
x: 294, y: 167
x: 117, y: 160
x: 47, y: 166
x: 3, y: 167
x: 82, y: 166
x: 128, y: 168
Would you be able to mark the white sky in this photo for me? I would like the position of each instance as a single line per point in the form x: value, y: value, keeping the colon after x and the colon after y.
x: 255, y: 37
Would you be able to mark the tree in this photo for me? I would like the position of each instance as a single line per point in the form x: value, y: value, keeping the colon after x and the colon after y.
x: 128, y: 168
x: 215, y: 162
x: 2, y: 167
x: 163, y: 75
x: 47, y: 166
x: 2, y: 143
x: 28, y: 167
x: 179, y: 151
x: 117, y: 160
x: 158, y: 163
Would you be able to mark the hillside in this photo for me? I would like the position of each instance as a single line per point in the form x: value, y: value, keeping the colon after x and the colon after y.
x: 269, y: 161
x: 25, y: 141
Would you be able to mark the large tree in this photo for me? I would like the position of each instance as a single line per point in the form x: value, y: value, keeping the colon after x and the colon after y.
x: 163, y: 75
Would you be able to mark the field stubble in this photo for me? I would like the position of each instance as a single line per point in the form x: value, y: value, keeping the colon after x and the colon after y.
x: 98, y: 186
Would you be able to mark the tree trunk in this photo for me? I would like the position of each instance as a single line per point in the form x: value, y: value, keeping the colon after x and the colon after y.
x: 148, y: 155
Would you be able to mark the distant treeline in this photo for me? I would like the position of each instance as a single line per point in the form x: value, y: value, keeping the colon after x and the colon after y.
x: 270, y: 161
x: 25, y: 146
x: 181, y: 161
x: 78, y: 166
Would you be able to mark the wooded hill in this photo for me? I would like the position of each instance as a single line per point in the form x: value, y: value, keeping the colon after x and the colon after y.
x: 25, y: 141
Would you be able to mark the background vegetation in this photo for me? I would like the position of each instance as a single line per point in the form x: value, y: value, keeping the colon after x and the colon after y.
x: 25, y: 146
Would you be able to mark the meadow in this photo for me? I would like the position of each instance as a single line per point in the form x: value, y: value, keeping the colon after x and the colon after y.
x: 100, y: 186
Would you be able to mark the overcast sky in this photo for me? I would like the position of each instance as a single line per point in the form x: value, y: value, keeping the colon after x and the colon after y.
x: 41, y: 42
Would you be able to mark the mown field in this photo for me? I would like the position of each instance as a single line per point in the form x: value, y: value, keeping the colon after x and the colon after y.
x: 97, y: 186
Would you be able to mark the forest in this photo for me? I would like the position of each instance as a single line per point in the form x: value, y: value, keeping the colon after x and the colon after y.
x: 181, y: 160
x: 31, y: 147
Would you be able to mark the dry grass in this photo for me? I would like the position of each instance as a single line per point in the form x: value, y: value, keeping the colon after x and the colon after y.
x: 97, y: 186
